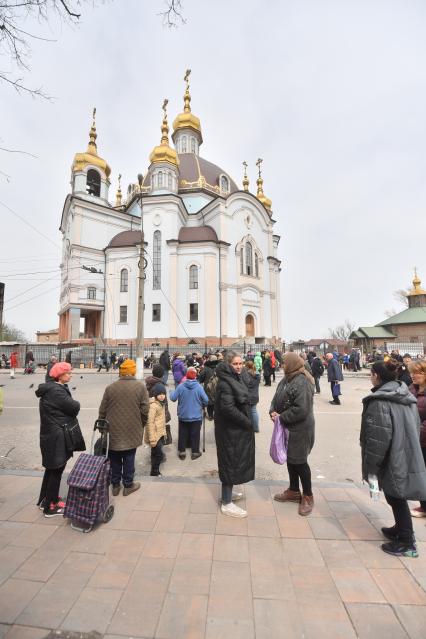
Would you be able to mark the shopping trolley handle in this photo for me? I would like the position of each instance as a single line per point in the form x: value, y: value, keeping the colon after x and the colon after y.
x: 102, y: 425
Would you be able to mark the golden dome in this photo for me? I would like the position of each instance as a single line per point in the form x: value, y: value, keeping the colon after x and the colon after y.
x: 417, y: 288
x: 245, y: 178
x: 187, y: 120
x: 163, y: 152
x: 267, y: 203
x: 91, y: 157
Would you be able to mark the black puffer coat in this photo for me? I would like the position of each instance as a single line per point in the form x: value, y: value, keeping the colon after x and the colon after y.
x: 390, y: 446
x: 296, y: 399
x: 57, y: 408
x: 233, y: 428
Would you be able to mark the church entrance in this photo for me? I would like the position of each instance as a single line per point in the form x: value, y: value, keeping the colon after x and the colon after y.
x: 249, y: 325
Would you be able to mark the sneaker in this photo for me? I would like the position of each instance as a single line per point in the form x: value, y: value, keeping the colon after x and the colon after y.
x: 399, y: 548
x: 116, y: 489
x: 231, y: 510
x: 54, y: 509
x: 195, y: 455
x: 60, y: 503
x: 390, y: 533
x: 418, y: 512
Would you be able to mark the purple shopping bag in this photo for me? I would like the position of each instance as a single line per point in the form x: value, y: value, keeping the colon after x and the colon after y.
x: 279, y: 442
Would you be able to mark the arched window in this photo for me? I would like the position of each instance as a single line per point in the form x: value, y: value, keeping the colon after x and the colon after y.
x: 160, y: 179
x: 242, y: 261
x: 153, y: 181
x: 169, y: 181
x: 193, y: 276
x: 249, y: 259
x: 224, y: 184
x: 184, y: 144
x: 192, y: 145
x: 93, y: 183
x: 124, y: 280
x: 256, y: 265
x: 156, y: 261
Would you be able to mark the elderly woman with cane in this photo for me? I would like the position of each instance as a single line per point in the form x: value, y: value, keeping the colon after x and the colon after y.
x: 293, y: 402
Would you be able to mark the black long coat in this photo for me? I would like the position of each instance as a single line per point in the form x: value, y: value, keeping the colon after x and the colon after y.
x: 57, y: 408
x: 233, y: 428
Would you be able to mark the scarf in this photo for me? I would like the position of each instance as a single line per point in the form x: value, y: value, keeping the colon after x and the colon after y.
x: 295, y: 365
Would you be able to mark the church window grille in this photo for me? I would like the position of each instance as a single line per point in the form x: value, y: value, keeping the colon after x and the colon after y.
x: 156, y: 261
x: 256, y: 265
x: 91, y: 293
x: 153, y: 181
x: 193, y: 312
x: 242, y: 261
x: 93, y: 183
x: 192, y: 145
x: 184, y: 144
x: 156, y: 312
x: 193, y: 276
x: 169, y: 181
x: 124, y: 280
x: 123, y: 314
x: 249, y: 259
x: 160, y: 179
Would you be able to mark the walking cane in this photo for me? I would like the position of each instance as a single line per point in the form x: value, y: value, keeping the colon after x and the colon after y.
x: 204, y: 431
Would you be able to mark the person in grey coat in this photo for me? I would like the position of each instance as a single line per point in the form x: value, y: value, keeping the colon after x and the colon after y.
x: 293, y: 402
x: 390, y: 451
x: 334, y: 375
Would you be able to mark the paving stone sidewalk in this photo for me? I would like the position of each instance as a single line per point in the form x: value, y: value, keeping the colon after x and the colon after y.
x: 170, y: 566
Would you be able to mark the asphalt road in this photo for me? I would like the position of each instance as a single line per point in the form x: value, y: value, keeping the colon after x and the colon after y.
x: 335, y: 457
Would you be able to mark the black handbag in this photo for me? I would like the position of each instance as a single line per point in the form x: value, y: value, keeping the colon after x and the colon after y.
x: 74, y: 440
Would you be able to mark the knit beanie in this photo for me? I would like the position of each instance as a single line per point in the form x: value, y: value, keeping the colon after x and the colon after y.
x: 59, y: 369
x: 159, y: 389
x: 157, y: 370
x: 191, y: 373
x: 128, y: 368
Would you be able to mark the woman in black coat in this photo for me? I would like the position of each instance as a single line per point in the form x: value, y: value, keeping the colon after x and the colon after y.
x: 234, y: 432
x: 57, y: 408
x: 293, y: 402
x: 267, y: 369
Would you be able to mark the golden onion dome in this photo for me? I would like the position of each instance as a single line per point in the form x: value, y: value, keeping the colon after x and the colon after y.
x: 187, y: 120
x: 267, y: 203
x: 417, y: 286
x: 164, y: 152
x: 91, y: 157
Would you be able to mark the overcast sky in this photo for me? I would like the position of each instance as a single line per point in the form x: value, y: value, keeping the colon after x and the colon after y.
x: 330, y: 93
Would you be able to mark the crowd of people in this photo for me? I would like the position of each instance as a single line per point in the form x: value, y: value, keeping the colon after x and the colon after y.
x: 224, y: 387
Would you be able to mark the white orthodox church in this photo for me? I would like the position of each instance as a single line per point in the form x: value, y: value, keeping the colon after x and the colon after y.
x: 212, y: 272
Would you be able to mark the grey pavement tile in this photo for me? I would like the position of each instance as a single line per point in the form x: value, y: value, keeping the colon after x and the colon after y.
x: 302, y: 552
x: 76, y: 569
x: 162, y: 545
x: 230, y: 591
x: 262, y: 526
x: 29, y: 513
x: 3, y: 630
x: 398, y: 586
x: 92, y: 610
x: 372, y: 556
x: 326, y: 528
x: 373, y: 621
x: 50, y: 605
x: 339, y: 553
x: 15, y: 594
x: 270, y: 575
x: 139, y: 520
x: 41, y: 565
x: 114, y: 571
x: 292, y: 525
x: 148, y: 501
x: 182, y: 616
x: 207, y: 505
x: 314, y: 584
x: 200, y: 523
x: 25, y: 632
x: 326, y: 622
x: 34, y: 536
x: 95, y: 542
x: 231, y: 548
x: 357, y: 526
x: 9, y: 530
x: 191, y: 577
x: 275, y: 619
x: 181, y: 489
x: 171, y: 520
x: 335, y: 494
x: 218, y: 628
x: 230, y: 525
x: 413, y: 618
x: 127, y: 542
x: 11, y: 558
x: 356, y: 585
x: 196, y: 546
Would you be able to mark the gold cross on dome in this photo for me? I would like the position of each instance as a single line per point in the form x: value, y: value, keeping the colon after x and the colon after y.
x: 245, y: 165
x: 186, y: 77
x: 258, y: 164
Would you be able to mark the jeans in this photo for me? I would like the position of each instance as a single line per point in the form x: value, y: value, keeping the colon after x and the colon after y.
x: 122, y: 466
x: 302, y: 471
x: 189, y: 436
x: 156, y: 458
x: 226, y: 494
x: 402, y: 516
x: 317, y: 384
x: 254, y: 417
x: 50, y: 486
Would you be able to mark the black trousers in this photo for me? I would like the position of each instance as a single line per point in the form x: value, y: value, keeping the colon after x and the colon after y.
x: 156, y: 458
x: 317, y: 384
x: 336, y: 399
x: 267, y: 379
x: 302, y: 472
x: 189, y: 436
x: 50, y: 486
x: 210, y: 410
x: 402, y: 516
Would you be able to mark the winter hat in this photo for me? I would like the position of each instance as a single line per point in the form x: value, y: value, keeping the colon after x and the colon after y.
x: 191, y: 373
x: 157, y: 370
x: 59, y: 369
x: 128, y: 368
x: 159, y: 389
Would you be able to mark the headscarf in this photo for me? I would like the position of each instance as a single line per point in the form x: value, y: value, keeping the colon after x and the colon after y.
x: 59, y: 369
x: 128, y: 368
x: 295, y: 365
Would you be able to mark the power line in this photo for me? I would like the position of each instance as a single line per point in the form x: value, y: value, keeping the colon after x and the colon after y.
x: 32, y: 298
x: 28, y: 224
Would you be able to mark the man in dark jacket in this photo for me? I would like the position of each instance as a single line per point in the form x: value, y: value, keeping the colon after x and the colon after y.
x: 334, y: 375
x: 165, y: 363
x: 317, y: 369
x: 51, y: 363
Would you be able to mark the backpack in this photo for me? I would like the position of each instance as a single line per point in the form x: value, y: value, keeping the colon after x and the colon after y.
x: 211, y: 388
x: 321, y: 369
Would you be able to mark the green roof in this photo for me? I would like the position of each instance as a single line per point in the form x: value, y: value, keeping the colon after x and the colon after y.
x: 371, y: 332
x: 414, y: 315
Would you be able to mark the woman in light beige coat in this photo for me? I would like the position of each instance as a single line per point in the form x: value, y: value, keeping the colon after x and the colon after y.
x: 155, y: 430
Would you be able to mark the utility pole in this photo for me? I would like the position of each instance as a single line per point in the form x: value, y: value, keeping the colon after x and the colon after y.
x: 141, y: 301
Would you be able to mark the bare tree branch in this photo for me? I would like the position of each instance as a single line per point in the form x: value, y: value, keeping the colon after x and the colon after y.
x: 401, y: 296
x: 172, y: 15
x: 17, y: 151
x: 343, y: 331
